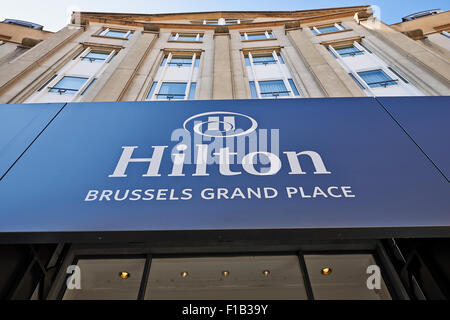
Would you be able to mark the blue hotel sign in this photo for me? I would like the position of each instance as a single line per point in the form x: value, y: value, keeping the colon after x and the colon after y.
x: 304, y: 164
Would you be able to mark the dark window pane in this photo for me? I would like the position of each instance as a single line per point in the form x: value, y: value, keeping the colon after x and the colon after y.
x: 96, y: 56
x: 348, y: 51
x: 275, y: 88
x: 294, y: 88
x: 327, y: 29
x: 192, y: 91
x: 187, y: 37
x: 181, y: 61
x: 172, y: 90
x: 116, y: 33
x: 263, y: 59
x: 377, y: 78
x: 253, y: 90
x: 68, y: 85
x: 152, y: 90
x: 256, y: 36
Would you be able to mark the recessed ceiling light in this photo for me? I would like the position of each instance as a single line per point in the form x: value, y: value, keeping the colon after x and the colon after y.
x: 184, y: 274
x: 124, y: 274
x: 326, y: 271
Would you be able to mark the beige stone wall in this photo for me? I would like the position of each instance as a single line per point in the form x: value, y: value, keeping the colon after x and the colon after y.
x: 15, y: 33
x: 427, y: 24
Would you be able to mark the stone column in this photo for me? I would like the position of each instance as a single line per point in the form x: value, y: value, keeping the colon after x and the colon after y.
x: 241, y: 87
x: 32, y: 59
x: 222, y: 82
x: 117, y: 84
x: 324, y: 75
x: 206, y: 71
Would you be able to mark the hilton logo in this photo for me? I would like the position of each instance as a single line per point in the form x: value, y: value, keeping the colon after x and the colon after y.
x: 215, y: 134
x: 219, y: 125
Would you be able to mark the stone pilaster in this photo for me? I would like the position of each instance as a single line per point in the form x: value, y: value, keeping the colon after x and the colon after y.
x: 324, y: 75
x: 222, y: 82
x: 117, y: 84
x: 31, y: 59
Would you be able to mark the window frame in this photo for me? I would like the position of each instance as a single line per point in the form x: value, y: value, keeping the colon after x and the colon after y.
x: 174, y: 37
x: 338, y: 25
x: 446, y: 34
x: 355, y: 53
x: 378, y: 84
x: 64, y: 90
x: 289, y: 92
x: 154, y: 89
x: 184, y: 95
x: 86, y: 58
x: 104, y: 31
x: 268, y: 35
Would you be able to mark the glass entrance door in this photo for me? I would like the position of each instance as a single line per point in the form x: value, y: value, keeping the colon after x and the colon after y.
x: 230, y: 278
x: 343, y: 276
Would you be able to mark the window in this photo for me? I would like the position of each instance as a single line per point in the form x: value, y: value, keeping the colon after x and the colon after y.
x: 398, y: 75
x: 257, y: 35
x: 446, y: 33
x: 263, y: 58
x: 273, y: 89
x: 172, y: 90
x: 176, y: 78
x: 47, y: 82
x: 192, y: 91
x: 76, y: 77
x: 293, y: 87
x: 88, y: 86
x: 96, y: 56
x: 180, y: 61
x: 327, y: 29
x: 186, y: 37
x: 356, y: 80
x: 253, y: 92
x: 68, y: 85
x: 152, y: 90
x: 124, y: 34
x: 377, y: 78
x: 348, y: 51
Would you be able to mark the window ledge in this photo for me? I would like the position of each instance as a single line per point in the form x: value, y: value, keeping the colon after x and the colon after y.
x: 253, y: 40
x: 106, y: 37
x: 333, y: 32
x: 189, y: 41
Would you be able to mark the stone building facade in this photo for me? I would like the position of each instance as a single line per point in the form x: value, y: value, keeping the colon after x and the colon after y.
x: 339, y: 52
x: 17, y: 37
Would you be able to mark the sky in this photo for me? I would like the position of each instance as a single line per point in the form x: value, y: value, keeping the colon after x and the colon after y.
x: 55, y: 14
